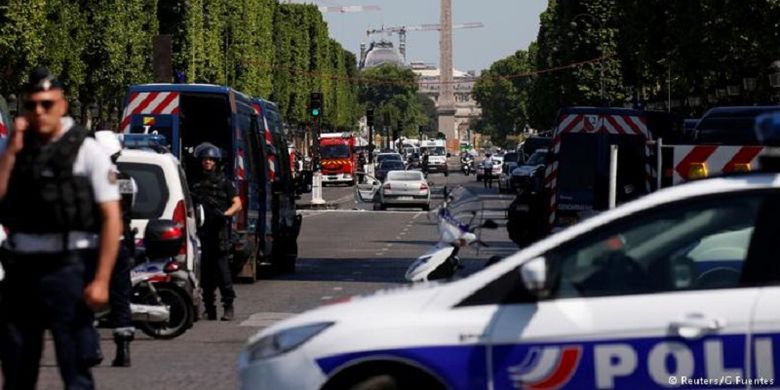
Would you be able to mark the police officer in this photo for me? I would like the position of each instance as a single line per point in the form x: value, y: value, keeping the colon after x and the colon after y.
x: 424, y: 162
x: 60, y: 203
x: 361, y: 167
x: 217, y: 196
x: 120, y: 316
x: 487, y: 165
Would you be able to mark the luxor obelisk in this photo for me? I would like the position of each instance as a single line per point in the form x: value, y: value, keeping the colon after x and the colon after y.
x: 446, y: 103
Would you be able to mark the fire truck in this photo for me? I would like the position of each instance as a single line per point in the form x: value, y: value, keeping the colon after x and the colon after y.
x: 586, y: 175
x: 338, y: 160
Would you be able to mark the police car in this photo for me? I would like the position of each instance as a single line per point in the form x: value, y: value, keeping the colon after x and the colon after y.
x: 676, y: 289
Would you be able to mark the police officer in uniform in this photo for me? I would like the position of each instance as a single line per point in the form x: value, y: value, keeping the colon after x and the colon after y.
x: 61, y: 206
x: 120, y: 316
x: 219, y: 200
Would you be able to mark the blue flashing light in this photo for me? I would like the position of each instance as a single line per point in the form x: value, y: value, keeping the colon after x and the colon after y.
x: 768, y: 129
x: 144, y: 141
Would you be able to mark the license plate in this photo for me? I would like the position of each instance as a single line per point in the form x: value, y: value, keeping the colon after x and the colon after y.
x: 405, y: 198
x: 333, y: 177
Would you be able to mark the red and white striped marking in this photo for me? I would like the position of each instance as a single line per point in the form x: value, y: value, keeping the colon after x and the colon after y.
x: 149, y: 103
x: 594, y: 124
x: 3, y: 128
x: 719, y: 159
x: 240, y: 172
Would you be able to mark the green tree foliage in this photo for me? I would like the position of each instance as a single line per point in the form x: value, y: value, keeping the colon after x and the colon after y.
x: 392, y: 91
x: 21, y: 39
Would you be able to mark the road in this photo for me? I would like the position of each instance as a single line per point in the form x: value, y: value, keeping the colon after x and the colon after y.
x: 348, y: 251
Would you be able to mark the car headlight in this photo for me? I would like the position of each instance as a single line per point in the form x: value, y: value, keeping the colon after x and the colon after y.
x: 284, y: 341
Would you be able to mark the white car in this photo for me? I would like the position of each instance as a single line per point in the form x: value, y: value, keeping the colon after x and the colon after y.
x: 498, y: 161
x: 163, y: 193
x: 405, y: 188
x: 677, y: 288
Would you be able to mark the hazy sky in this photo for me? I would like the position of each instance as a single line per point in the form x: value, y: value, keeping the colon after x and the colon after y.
x: 510, y: 25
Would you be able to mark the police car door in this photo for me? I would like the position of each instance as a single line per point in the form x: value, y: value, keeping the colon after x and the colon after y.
x: 654, y: 299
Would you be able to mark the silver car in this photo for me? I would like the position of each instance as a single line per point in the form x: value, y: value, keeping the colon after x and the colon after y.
x: 405, y: 188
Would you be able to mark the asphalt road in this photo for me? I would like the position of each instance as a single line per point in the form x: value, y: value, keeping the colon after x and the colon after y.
x: 351, y: 250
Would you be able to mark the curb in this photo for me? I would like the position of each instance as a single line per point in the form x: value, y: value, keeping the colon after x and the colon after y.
x: 324, y: 206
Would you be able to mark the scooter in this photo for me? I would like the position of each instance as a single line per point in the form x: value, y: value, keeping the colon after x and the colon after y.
x: 442, y: 261
x: 161, y: 302
x: 467, y: 166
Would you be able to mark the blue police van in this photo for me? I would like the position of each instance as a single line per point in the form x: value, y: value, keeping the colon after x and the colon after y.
x: 190, y: 114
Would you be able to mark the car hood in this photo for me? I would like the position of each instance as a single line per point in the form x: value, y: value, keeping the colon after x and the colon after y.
x: 525, y: 170
x: 403, y: 300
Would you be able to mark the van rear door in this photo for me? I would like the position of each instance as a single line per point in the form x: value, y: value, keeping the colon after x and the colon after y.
x: 153, y: 112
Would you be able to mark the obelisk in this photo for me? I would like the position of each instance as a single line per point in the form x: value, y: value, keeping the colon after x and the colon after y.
x: 446, y: 103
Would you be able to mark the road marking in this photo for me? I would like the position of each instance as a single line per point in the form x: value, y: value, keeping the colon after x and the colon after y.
x: 379, y: 254
x: 338, y: 288
x: 346, y: 211
x: 326, y: 298
x: 263, y: 319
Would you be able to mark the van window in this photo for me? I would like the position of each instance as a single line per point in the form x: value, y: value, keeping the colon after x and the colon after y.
x: 152, y: 193
x: 577, y: 162
x: 205, y: 118
x: 727, y: 131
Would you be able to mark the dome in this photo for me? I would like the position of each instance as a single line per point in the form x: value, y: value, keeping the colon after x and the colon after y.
x: 382, y: 53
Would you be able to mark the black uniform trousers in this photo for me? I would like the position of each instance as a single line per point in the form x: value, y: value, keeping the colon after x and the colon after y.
x: 46, y: 292
x: 121, y: 317
x: 215, y: 269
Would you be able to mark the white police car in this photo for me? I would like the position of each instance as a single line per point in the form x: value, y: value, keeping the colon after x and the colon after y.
x: 677, y: 289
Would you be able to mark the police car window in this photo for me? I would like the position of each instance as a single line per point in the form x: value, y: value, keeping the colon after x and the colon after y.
x: 152, y: 193
x: 691, y: 246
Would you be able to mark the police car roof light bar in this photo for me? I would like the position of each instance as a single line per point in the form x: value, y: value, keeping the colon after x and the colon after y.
x: 156, y: 142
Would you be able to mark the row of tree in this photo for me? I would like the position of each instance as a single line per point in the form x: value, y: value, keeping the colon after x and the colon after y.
x: 260, y: 47
x: 705, y: 52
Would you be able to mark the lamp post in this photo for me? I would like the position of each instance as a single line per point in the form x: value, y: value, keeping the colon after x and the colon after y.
x: 574, y: 25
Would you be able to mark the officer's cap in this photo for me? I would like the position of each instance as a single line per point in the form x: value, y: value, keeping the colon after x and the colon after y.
x: 42, y: 80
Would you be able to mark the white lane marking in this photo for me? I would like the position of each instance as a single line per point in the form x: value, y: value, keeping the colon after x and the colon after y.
x: 326, y: 298
x: 263, y: 319
x: 338, y: 288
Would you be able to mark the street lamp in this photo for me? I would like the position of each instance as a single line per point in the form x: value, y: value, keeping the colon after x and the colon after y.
x: 574, y: 25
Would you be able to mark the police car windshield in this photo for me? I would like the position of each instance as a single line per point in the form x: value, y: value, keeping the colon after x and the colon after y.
x: 335, y: 151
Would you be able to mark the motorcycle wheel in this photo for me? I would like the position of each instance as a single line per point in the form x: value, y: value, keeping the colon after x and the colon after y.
x: 181, y: 317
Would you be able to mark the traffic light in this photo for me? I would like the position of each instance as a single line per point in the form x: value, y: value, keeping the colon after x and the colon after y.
x: 370, y: 117
x: 315, y: 104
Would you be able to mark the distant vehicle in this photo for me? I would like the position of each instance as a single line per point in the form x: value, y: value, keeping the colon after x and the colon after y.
x: 387, y: 166
x: 437, y: 155
x: 512, y: 157
x: 498, y: 161
x: 530, y: 176
x: 338, y: 158
x: 505, y: 177
x: 530, y: 145
x: 382, y: 157
x: 404, y: 189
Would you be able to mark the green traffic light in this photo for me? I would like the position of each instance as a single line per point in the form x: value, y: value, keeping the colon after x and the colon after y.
x: 315, y: 112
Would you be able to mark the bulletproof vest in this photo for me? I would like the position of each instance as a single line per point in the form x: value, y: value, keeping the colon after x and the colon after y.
x: 210, y: 191
x: 43, y: 194
x: 126, y: 191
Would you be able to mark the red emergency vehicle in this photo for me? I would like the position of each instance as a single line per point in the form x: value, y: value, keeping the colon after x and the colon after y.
x: 338, y: 160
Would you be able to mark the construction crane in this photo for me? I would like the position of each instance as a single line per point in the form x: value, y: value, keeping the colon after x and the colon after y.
x: 402, y: 30
x: 344, y: 8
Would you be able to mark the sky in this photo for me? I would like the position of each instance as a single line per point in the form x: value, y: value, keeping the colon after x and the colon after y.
x: 510, y: 25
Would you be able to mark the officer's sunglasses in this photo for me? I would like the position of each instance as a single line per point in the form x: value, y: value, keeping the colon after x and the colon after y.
x: 31, y: 105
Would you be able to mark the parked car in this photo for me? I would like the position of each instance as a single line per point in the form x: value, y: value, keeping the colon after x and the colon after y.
x: 498, y: 161
x: 382, y: 157
x: 387, y: 166
x: 530, y: 145
x: 505, y: 177
x: 531, y: 174
x: 405, y: 188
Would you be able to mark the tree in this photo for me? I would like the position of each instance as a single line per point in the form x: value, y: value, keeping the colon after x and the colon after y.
x: 392, y: 91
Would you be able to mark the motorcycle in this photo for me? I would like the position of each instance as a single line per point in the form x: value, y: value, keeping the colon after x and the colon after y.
x: 467, y: 166
x: 442, y: 261
x: 162, y: 300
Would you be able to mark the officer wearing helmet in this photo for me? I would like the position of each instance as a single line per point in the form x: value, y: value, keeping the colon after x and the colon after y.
x: 120, y: 316
x: 220, y: 202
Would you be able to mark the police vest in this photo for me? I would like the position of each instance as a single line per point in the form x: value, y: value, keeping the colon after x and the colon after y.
x: 211, y: 191
x: 43, y: 194
x: 127, y: 193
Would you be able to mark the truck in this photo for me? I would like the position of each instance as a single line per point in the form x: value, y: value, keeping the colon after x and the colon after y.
x: 338, y: 159
x: 654, y: 151
x: 437, y: 155
x: 249, y: 134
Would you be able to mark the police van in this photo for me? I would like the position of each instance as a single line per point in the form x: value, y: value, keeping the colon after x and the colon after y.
x: 676, y: 289
x: 190, y: 114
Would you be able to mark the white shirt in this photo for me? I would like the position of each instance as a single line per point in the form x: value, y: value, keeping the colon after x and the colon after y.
x: 488, y: 163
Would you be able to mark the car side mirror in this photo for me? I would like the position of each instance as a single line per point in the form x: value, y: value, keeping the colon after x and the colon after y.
x: 366, y: 192
x: 200, y: 215
x: 534, y: 276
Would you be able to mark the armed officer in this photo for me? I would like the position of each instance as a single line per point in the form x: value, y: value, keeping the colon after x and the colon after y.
x: 219, y: 200
x: 60, y: 203
x: 120, y: 316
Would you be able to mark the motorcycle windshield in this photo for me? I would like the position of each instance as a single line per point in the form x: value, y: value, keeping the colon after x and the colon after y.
x: 464, y: 210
